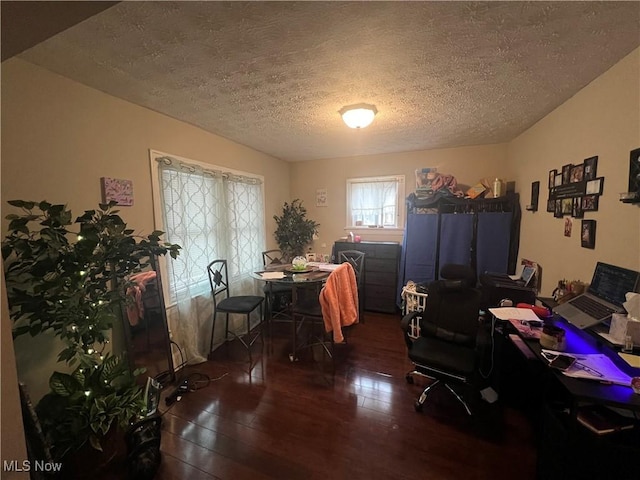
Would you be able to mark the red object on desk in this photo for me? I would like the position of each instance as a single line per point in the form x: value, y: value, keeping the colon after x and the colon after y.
x: 541, y: 312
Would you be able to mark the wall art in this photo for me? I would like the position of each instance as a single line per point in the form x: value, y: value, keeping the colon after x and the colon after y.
x: 588, y: 234
x: 116, y: 190
x: 575, y: 189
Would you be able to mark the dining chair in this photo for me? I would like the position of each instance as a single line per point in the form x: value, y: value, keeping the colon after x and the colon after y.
x: 240, y: 304
x: 326, y: 313
x: 356, y: 258
x: 277, y: 296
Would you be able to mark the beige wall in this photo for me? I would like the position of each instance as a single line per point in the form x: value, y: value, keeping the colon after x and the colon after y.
x: 467, y: 164
x: 604, y: 120
x: 59, y: 137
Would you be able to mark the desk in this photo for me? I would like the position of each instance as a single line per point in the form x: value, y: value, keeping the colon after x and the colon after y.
x: 567, y: 449
x: 312, y: 277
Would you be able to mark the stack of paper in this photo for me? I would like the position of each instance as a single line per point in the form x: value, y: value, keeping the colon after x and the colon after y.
x: 513, y: 313
x: 328, y: 267
x: 272, y: 275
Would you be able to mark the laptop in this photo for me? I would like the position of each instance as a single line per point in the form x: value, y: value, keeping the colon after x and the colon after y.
x: 605, y: 296
x: 522, y: 280
x: 525, y: 277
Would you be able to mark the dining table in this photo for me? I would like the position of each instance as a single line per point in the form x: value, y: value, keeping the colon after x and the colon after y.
x: 313, y: 275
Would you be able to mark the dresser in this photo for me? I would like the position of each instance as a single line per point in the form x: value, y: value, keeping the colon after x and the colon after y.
x: 380, y: 272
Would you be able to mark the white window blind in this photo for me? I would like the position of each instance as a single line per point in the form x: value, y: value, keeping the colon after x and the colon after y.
x: 212, y: 214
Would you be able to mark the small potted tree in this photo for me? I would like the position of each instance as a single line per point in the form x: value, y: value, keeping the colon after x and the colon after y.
x: 73, y: 282
x: 294, y: 230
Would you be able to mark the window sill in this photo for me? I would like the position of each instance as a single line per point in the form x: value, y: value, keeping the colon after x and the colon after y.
x: 375, y: 232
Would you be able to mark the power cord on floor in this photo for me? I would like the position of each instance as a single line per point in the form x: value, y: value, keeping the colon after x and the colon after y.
x: 190, y: 383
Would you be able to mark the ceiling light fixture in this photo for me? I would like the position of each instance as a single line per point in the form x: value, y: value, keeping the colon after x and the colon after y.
x: 359, y: 115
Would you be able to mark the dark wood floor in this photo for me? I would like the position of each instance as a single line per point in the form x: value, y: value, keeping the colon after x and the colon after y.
x: 284, y: 420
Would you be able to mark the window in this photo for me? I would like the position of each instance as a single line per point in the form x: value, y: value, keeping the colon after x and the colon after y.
x: 212, y: 214
x: 375, y: 202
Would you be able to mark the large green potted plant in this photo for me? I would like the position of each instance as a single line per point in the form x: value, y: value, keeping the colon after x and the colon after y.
x: 70, y: 277
x: 294, y: 230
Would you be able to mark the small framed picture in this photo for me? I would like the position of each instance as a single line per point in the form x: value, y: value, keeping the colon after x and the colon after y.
x: 568, y: 225
x: 557, y: 210
x: 552, y: 178
x: 567, y: 205
x: 594, y: 187
x: 576, y: 210
x: 577, y: 173
x: 566, y: 173
x: 588, y: 234
x: 558, y: 180
x: 116, y: 190
x: 551, y: 205
x: 590, y: 203
x: 590, y: 167
x: 321, y: 197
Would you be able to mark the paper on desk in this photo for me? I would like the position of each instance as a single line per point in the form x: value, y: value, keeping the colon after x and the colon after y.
x: 631, y: 359
x: 514, y: 313
x: 594, y: 366
x: 272, y: 275
x: 328, y: 267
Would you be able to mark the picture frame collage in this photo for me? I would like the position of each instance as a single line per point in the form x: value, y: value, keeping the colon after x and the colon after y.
x: 575, y: 189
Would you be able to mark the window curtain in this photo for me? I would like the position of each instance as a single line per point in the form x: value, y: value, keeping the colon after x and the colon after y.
x: 213, y: 215
x: 374, y: 203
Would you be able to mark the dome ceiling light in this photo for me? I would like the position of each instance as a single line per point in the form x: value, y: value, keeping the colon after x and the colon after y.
x: 359, y: 115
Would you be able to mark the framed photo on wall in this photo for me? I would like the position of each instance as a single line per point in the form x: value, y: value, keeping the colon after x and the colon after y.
x: 552, y: 178
x: 577, y: 173
x: 557, y: 210
x: 558, y: 180
x: 590, y: 203
x: 594, y: 187
x: 588, y: 234
x: 590, y: 167
x: 566, y: 173
x: 576, y: 210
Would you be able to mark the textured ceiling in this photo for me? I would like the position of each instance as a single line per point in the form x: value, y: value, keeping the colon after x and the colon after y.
x: 273, y: 75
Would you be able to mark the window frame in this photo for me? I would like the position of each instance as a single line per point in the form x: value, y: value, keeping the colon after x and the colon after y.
x: 400, y: 203
x: 156, y: 199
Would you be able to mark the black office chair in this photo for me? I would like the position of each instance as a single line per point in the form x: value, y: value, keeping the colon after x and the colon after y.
x: 356, y: 259
x: 447, y: 350
x: 277, y: 296
x: 242, y: 304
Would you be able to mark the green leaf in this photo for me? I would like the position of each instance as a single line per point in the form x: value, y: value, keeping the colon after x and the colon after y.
x: 63, y: 384
x: 95, y: 442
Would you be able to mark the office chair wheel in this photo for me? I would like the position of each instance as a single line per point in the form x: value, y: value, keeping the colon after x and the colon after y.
x: 409, y: 378
x: 417, y: 406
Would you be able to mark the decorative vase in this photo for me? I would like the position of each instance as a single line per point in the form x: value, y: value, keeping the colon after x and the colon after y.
x: 299, y: 263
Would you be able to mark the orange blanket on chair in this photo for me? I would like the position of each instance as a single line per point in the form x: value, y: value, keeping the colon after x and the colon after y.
x: 339, y: 301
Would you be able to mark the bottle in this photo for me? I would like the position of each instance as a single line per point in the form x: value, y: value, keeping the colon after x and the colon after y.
x: 497, y: 188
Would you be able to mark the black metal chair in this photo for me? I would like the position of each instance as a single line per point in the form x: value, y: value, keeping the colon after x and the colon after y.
x: 356, y: 258
x: 447, y: 350
x: 309, y: 313
x: 277, y: 296
x: 241, y: 304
